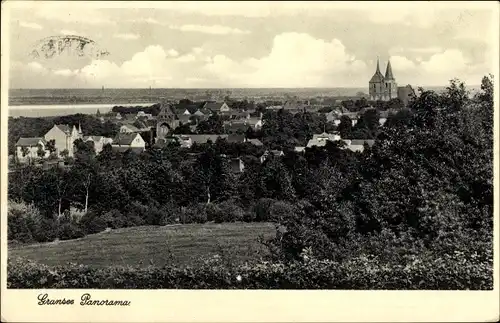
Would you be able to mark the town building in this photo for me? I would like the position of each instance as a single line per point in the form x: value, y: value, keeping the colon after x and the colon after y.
x: 128, y: 141
x: 99, y: 142
x: 383, y: 87
x: 28, y: 148
x: 64, y: 137
x: 167, y: 121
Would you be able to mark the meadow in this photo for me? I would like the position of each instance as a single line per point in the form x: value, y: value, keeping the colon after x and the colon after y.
x: 179, y: 245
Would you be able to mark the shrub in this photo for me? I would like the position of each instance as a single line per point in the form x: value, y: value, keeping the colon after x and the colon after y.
x: 194, y: 214
x: 261, y: 209
x: 93, y: 222
x: 280, y: 210
x: 213, y: 212
x: 230, y: 211
x: 454, y: 272
x: 22, y: 220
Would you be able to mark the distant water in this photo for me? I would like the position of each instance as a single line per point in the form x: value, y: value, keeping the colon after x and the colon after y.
x: 51, y: 110
x: 55, y: 102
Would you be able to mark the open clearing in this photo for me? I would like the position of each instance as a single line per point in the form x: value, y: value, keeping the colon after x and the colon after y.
x: 155, y: 245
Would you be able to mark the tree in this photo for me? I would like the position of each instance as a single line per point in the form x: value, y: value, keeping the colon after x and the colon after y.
x: 65, y: 153
x: 51, y: 146
x: 25, y: 151
x: 40, y: 151
x: 345, y: 127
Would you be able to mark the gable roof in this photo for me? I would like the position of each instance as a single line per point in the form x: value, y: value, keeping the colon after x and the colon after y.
x: 255, y: 142
x: 93, y: 138
x: 213, y: 106
x: 30, y: 142
x: 64, y: 128
x: 131, y: 127
x: 125, y: 139
x: 166, y: 111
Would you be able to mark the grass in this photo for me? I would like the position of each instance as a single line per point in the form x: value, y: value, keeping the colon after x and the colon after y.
x: 154, y: 245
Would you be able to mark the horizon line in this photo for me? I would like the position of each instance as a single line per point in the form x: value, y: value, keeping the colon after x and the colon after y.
x: 221, y: 88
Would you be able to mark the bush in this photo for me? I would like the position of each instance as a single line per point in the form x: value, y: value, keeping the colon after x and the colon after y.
x: 214, y: 212
x: 455, y: 272
x: 280, y: 210
x: 22, y: 220
x: 261, y: 209
x: 92, y: 222
x: 68, y: 230
x: 230, y: 212
x: 195, y: 214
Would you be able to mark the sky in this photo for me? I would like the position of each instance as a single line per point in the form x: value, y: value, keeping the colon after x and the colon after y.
x: 253, y: 44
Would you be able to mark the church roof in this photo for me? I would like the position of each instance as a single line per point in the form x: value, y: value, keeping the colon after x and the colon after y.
x: 166, y: 110
x: 388, y: 72
x: 377, y: 77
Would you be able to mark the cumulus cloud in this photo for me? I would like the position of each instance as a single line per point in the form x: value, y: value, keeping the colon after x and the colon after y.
x: 402, y: 63
x: 294, y: 60
x: 127, y: 36
x: 30, y: 25
x: 449, y: 60
x: 214, y: 29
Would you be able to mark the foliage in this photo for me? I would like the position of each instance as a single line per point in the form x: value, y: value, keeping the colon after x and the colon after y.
x: 454, y: 272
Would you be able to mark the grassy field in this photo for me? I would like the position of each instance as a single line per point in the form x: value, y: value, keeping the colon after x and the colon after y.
x: 179, y: 244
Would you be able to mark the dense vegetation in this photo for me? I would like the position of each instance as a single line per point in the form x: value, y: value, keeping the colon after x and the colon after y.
x: 422, y: 194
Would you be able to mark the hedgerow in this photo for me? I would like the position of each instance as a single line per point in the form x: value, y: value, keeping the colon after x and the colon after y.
x: 450, y: 272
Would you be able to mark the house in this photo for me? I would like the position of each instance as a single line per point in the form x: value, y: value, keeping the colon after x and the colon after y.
x: 64, y: 137
x: 184, y: 118
x: 237, y: 165
x: 188, y: 140
x: 142, y: 114
x: 126, y: 141
x: 218, y: 107
x: 129, y: 128
x: 275, y: 153
x: 321, y: 139
x: 239, y: 126
x: 255, y: 142
x: 99, y: 142
x: 29, y: 147
x: 358, y: 144
x: 234, y: 138
x: 255, y: 122
x: 299, y: 149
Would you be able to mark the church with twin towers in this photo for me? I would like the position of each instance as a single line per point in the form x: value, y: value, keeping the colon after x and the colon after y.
x: 382, y: 87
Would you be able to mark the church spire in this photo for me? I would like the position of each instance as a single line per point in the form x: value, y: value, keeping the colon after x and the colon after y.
x: 377, y: 77
x: 388, y: 71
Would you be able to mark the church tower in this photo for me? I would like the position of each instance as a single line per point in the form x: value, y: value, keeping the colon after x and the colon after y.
x: 391, y: 87
x: 166, y: 121
x: 376, y: 86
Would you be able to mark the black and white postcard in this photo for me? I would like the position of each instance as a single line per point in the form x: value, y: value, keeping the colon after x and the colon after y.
x: 249, y: 161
